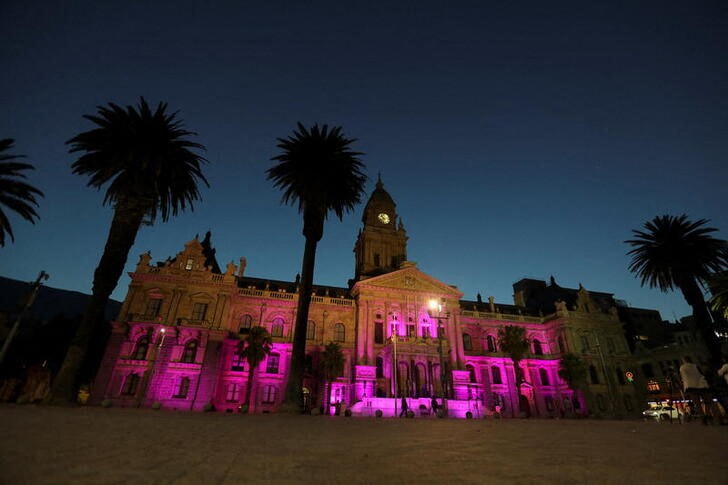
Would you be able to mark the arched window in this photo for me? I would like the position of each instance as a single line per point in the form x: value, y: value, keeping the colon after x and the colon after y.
x: 467, y: 342
x: 245, y: 323
x: 310, y: 330
x: 495, y: 371
x: 490, y: 341
x: 339, y: 332
x: 130, y: 385
x: 140, y: 350
x: 269, y: 394
x: 272, y: 366
x: 593, y: 375
x: 190, y: 352
x: 277, y: 328
x: 183, y: 388
x: 471, y: 371
x: 380, y: 367
x: 537, y: 349
x: 544, y: 377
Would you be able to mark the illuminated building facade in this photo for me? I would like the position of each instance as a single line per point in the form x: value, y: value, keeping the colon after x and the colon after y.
x: 177, y: 337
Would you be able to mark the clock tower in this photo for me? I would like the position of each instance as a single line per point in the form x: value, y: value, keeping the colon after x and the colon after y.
x: 382, y: 243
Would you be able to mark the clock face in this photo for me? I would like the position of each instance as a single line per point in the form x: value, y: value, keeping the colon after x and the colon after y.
x: 383, y: 218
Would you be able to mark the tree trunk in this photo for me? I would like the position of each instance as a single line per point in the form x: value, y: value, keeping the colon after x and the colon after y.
x: 703, y: 320
x: 249, y: 387
x: 124, y: 228
x: 293, y: 398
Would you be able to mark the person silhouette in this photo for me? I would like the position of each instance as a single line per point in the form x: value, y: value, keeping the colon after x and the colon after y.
x: 405, y: 408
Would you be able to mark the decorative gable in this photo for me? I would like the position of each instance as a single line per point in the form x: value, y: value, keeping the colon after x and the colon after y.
x: 409, y: 279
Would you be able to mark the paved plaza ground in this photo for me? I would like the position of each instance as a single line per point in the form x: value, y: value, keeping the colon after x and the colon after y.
x: 132, y: 446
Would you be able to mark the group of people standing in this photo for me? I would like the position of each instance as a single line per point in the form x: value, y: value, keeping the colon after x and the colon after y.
x: 434, y: 406
x: 696, y: 389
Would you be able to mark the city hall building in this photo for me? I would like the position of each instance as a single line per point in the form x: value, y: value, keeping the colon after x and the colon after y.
x: 403, y: 333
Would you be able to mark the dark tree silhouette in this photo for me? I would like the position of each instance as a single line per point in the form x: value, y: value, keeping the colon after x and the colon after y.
x: 573, y: 370
x: 675, y: 252
x: 149, y: 167
x: 15, y: 194
x: 332, y: 365
x: 254, y: 349
x: 719, y: 289
x: 513, y: 342
x: 319, y: 172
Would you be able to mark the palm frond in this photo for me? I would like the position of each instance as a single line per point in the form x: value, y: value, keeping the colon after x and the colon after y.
x: 15, y: 194
x: 141, y: 155
x: 317, y: 168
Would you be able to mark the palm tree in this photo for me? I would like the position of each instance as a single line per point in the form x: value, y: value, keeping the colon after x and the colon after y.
x: 255, y: 348
x: 512, y: 340
x: 719, y: 288
x: 144, y: 158
x: 319, y: 172
x: 573, y: 370
x: 675, y: 252
x: 332, y: 365
x: 15, y: 194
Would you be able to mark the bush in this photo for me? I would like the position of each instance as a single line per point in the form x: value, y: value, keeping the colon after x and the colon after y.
x: 378, y: 413
x: 244, y: 408
x: 209, y: 407
x: 440, y: 413
x: 410, y: 414
x: 315, y: 411
x: 469, y: 415
x: 106, y: 403
x: 157, y: 405
x: 23, y: 400
x: 347, y: 413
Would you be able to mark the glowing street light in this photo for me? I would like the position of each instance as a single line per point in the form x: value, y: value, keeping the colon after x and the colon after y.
x: 436, y: 311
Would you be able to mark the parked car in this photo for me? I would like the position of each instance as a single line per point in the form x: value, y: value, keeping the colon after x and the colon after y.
x: 663, y: 413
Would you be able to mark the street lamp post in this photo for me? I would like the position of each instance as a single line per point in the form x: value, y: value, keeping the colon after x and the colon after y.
x: 435, y: 311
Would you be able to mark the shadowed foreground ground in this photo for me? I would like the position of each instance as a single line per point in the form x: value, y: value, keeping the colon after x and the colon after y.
x: 94, y: 445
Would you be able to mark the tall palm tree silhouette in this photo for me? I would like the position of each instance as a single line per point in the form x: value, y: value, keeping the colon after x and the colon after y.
x: 675, y: 252
x: 145, y: 160
x: 318, y: 171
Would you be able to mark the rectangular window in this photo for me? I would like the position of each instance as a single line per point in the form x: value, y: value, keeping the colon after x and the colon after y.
x: 496, y: 375
x: 130, y: 385
x: 269, y: 394
x: 153, y: 307
x: 199, y: 311
x: 233, y: 393
x: 378, y: 332
x: 237, y: 364
x: 584, y: 343
x: 425, y: 332
x: 272, y: 367
x: 183, y: 388
x: 411, y: 331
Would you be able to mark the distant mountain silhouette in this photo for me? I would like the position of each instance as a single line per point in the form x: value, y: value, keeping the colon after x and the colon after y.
x: 49, y: 303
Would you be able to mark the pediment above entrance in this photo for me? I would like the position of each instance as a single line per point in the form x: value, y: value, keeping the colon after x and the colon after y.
x: 408, y: 279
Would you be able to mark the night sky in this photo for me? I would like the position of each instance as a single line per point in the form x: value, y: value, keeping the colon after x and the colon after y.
x: 518, y: 140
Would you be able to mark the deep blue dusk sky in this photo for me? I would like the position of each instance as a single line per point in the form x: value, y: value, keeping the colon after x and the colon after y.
x: 519, y: 140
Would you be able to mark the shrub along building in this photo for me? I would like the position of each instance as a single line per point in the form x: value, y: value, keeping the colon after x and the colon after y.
x: 402, y: 332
